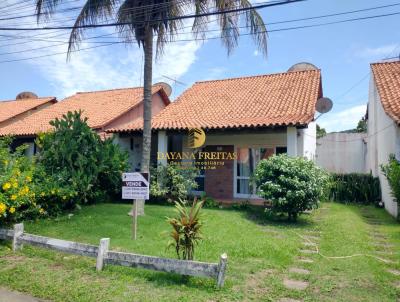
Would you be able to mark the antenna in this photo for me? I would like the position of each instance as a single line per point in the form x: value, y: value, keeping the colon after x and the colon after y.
x: 323, y: 105
x: 175, y: 82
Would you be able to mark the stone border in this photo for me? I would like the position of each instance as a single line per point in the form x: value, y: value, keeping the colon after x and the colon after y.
x: 104, y: 256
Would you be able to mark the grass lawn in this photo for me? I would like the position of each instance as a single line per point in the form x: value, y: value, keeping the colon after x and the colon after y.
x: 260, y: 253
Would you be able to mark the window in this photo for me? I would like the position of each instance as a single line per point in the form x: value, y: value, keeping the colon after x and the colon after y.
x: 281, y: 150
x: 247, y: 160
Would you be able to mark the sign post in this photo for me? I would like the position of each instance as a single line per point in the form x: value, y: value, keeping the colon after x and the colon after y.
x: 135, y: 185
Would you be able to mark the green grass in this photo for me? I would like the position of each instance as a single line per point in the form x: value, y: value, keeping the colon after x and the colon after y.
x: 259, y: 255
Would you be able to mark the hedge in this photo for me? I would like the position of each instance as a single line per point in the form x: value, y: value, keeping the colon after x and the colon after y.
x: 355, y: 188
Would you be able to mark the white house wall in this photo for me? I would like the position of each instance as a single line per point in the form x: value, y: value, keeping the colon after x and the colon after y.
x: 383, y: 140
x: 342, y: 152
x: 307, y: 140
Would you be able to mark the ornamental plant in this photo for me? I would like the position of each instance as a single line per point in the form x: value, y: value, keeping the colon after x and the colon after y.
x: 186, y: 228
x: 291, y: 184
x: 17, y: 199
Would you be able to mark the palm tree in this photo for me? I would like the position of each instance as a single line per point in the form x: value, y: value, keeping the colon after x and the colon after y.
x: 140, y: 21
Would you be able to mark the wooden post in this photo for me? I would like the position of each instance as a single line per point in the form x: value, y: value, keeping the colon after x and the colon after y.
x: 134, y: 221
x: 18, y: 231
x: 221, y: 270
x: 102, y: 253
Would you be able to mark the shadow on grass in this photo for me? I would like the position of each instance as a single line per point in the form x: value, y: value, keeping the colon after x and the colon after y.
x: 259, y: 216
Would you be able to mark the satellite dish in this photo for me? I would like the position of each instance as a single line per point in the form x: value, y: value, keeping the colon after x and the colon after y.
x: 324, y: 105
x: 302, y: 66
x: 26, y: 95
x: 166, y: 87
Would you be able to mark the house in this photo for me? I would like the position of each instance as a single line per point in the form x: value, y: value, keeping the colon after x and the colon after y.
x: 14, y: 110
x: 383, y: 124
x: 107, y: 108
x: 241, y: 121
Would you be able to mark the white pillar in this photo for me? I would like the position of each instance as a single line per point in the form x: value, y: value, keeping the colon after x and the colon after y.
x: 162, y: 148
x: 291, y: 141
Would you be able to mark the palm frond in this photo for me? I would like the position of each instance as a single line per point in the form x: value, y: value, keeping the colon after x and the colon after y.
x: 92, y: 13
x: 44, y: 8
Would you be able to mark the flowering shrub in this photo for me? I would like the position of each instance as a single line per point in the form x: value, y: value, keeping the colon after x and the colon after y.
x: 291, y: 184
x: 17, y: 199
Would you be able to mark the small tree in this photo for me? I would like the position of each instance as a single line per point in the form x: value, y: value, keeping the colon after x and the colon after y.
x: 291, y: 184
x: 321, y: 132
x: 186, y: 229
x: 76, y: 153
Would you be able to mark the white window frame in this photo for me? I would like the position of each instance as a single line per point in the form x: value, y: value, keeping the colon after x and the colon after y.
x: 236, y: 178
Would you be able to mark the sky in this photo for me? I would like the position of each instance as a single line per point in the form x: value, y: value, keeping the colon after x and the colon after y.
x: 343, y: 52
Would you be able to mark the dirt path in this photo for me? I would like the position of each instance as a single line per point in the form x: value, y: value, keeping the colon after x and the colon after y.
x: 12, y: 296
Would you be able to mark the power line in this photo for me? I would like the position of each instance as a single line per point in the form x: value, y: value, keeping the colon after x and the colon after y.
x: 243, y: 9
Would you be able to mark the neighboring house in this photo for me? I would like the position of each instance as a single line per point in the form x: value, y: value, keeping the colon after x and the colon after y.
x: 383, y: 124
x: 23, y: 106
x: 14, y: 110
x: 342, y: 152
x: 107, y: 108
x: 251, y: 117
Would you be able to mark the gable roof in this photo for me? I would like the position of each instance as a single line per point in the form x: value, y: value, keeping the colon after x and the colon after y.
x: 387, y: 80
x: 100, y: 107
x: 12, y: 108
x: 257, y: 101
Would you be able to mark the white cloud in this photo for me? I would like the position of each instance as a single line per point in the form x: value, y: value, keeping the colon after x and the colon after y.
x: 256, y: 53
x: 342, y: 120
x: 376, y: 53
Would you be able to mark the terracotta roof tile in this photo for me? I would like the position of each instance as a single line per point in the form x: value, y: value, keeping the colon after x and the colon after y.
x: 387, y: 79
x: 12, y: 108
x: 267, y: 100
x: 100, y: 107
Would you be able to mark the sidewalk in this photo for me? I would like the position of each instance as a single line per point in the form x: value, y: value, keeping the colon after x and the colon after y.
x: 12, y: 296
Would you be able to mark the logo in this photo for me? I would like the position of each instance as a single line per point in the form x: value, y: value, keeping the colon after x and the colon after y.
x: 196, y: 138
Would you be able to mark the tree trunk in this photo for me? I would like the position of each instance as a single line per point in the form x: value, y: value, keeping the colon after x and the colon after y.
x: 147, y: 87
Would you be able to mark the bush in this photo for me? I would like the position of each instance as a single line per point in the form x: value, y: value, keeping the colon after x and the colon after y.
x: 17, y: 199
x: 172, y: 182
x: 355, y: 188
x: 291, y: 184
x: 76, y: 157
x: 392, y: 172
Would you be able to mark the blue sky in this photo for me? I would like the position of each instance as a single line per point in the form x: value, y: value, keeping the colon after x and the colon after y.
x: 342, y: 51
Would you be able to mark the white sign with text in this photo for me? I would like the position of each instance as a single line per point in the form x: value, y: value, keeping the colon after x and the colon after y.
x: 135, y: 185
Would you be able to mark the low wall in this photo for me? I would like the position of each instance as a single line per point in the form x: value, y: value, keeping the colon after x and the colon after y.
x: 105, y: 256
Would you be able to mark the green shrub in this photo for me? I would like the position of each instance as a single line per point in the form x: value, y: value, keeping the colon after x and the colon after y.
x: 355, y: 188
x: 76, y: 157
x: 172, y: 182
x: 392, y: 172
x: 291, y: 184
x: 209, y: 202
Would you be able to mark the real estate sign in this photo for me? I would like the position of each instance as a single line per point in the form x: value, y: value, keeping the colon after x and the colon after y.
x: 135, y: 185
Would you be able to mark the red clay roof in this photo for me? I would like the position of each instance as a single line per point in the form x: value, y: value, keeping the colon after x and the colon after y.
x: 12, y: 108
x: 257, y: 101
x: 387, y: 79
x: 100, y: 107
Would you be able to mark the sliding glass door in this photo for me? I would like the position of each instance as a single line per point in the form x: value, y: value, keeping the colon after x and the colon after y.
x: 247, y: 160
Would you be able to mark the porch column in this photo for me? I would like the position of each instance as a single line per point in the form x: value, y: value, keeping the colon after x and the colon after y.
x: 291, y: 141
x: 162, y: 148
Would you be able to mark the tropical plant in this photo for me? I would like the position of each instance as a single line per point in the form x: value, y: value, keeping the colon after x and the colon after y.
x: 291, y: 184
x: 141, y: 21
x: 186, y: 228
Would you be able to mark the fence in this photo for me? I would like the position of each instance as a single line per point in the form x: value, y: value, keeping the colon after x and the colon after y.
x: 104, y: 256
